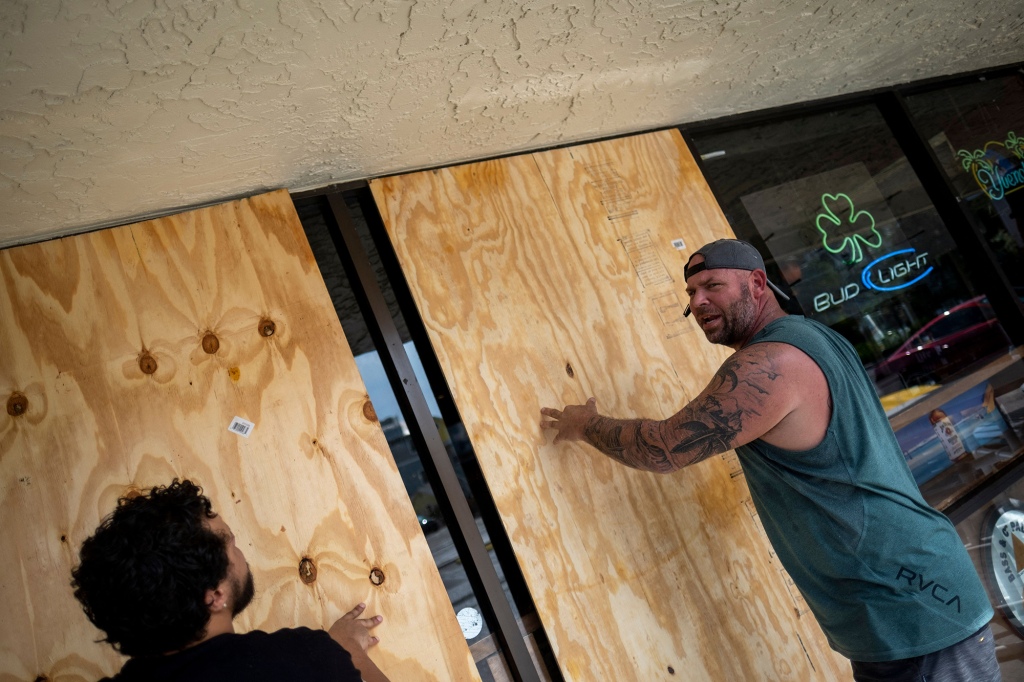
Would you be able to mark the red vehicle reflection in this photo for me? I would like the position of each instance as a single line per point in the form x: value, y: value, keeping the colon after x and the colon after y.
x: 948, y: 344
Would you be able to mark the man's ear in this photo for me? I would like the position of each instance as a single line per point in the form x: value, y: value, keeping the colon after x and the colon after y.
x: 758, y: 282
x: 217, y: 598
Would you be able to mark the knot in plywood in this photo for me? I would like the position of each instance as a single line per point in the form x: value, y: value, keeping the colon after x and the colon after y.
x: 377, y: 576
x: 307, y: 571
x: 368, y: 411
x: 267, y: 327
x: 147, y: 363
x: 211, y: 344
x: 17, y: 404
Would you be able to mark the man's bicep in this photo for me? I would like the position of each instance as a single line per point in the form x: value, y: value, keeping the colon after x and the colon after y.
x: 745, y: 399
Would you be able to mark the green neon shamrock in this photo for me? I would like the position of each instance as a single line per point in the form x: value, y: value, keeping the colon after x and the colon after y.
x: 834, y: 223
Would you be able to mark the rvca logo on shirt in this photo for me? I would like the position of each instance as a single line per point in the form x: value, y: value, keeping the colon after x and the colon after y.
x: 939, y: 592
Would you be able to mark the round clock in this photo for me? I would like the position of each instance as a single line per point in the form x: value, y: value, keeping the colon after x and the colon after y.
x: 1003, y: 528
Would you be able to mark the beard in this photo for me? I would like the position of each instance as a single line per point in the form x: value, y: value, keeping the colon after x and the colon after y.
x: 242, y: 592
x: 734, y: 321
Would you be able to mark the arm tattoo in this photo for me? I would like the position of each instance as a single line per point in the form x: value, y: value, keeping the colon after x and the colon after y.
x: 624, y: 440
x: 605, y: 434
x: 708, y: 426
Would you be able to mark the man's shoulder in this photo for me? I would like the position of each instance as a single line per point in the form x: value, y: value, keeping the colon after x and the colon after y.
x: 299, y: 636
x: 796, y: 336
x: 284, y: 633
x: 310, y: 650
x: 767, y: 354
x: 253, y: 655
x: 787, y: 324
x: 786, y: 346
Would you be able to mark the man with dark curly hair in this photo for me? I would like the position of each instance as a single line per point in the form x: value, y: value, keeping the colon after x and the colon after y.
x: 163, y: 578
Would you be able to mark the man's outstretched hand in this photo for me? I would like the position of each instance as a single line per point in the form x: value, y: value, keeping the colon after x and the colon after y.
x: 353, y: 633
x: 570, y: 421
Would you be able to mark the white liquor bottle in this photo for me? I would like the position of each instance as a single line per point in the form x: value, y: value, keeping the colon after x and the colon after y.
x: 948, y: 436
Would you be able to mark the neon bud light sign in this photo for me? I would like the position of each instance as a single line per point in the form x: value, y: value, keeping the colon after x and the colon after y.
x: 890, y: 272
x: 886, y: 274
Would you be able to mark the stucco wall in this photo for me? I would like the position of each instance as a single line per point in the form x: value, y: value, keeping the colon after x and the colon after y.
x: 120, y: 109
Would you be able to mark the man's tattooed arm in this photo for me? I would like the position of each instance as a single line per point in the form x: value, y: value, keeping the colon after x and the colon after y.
x: 624, y: 440
x: 711, y: 424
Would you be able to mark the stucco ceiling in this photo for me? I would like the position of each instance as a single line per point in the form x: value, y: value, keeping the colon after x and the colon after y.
x: 117, y: 110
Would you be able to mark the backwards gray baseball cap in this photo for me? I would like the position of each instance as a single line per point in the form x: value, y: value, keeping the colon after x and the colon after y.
x: 733, y: 254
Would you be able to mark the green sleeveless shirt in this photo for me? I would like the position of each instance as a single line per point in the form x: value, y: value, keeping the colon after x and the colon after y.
x: 886, y: 575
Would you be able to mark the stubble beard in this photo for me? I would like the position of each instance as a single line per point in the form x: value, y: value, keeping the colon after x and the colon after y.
x: 736, y: 320
x: 243, y: 593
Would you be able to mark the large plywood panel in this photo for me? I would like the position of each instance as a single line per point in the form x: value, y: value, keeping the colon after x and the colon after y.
x: 544, y: 279
x: 107, y: 343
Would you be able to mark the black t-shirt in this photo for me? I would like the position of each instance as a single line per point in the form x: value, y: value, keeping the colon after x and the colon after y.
x: 282, y: 656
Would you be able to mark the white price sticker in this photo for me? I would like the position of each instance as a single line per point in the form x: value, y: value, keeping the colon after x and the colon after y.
x: 678, y: 244
x: 243, y: 427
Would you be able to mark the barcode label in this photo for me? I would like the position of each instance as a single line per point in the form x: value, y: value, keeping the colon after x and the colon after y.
x: 242, y: 427
x: 678, y: 244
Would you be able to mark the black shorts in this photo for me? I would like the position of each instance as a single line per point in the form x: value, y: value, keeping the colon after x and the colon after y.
x: 970, y: 660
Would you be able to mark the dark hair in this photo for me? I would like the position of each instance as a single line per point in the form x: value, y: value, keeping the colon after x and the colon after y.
x: 143, y: 575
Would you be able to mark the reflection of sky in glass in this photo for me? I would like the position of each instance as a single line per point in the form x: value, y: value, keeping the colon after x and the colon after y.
x: 379, y: 390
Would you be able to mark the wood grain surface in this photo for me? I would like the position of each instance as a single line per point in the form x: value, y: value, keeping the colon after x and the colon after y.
x: 131, y: 350
x: 547, y: 278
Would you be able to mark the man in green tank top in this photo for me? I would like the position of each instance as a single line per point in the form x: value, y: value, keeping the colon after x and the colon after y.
x: 886, y: 576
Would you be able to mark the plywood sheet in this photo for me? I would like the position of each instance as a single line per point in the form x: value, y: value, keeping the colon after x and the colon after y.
x: 103, y: 340
x: 547, y: 278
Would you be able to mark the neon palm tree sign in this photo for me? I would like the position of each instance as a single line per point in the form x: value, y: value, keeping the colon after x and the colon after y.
x: 997, y: 172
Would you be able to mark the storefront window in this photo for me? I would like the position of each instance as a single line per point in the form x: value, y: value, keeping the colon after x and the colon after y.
x: 994, y: 537
x: 974, y: 130
x: 850, y: 231
x: 957, y: 442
